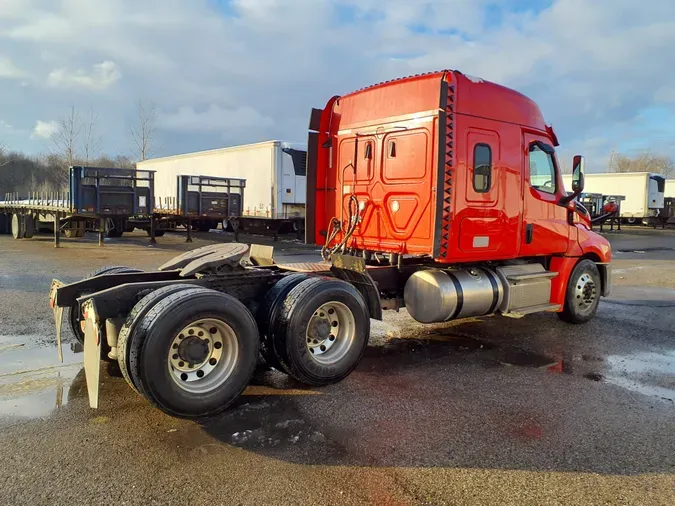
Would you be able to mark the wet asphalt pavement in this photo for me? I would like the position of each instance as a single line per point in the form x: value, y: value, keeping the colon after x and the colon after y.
x: 486, y: 411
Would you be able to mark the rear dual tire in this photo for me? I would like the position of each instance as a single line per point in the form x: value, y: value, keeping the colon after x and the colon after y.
x: 318, y: 329
x: 190, y: 351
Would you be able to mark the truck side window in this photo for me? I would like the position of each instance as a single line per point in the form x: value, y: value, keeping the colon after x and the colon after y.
x: 482, y: 168
x: 542, y: 170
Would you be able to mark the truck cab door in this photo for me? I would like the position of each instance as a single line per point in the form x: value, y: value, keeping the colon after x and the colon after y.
x: 545, y: 230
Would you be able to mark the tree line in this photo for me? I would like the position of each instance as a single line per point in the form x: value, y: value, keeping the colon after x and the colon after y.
x: 75, y: 141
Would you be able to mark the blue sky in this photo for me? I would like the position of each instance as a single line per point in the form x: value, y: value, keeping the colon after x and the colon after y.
x: 224, y: 72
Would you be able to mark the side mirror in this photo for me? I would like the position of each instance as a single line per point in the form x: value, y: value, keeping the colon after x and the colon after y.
x: 577, y: 180
x: 578, y: 174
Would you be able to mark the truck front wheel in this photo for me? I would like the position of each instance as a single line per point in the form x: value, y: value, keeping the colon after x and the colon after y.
x: 321, y: 331
x: 199, y: 352
x: 583, y: 293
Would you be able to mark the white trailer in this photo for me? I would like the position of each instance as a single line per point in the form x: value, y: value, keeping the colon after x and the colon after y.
x: 275, y: 174
x: 644, y: 192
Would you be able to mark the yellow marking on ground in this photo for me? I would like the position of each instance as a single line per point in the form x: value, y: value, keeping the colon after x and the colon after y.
x: 99, y: 420
x: 263, y: 390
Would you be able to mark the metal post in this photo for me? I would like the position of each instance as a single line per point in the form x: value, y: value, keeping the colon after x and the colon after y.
x: 152, y: 231
x: 101, y: 231
x: 189, y: 231
x: 57, y: 230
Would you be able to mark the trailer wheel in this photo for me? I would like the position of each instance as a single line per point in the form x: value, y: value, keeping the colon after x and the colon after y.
x: 583, y: 293
x: 199, y: 352
x: 4, y: 223
x: 18, y: 229
x: 158, y: 233
x: 129, y: 339
x: 267, y: 314
x: 28, y: 226
x: 321, y: 330
x: 72, y: 317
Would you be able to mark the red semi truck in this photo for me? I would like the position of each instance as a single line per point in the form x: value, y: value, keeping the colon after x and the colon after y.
x: 440, y: 193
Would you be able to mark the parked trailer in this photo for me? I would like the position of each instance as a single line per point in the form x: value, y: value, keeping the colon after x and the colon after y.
x: 199, y: 202
x: 275, y: 174
x: 644, y: 192
x: 451, y: 213
x: 99, y: 199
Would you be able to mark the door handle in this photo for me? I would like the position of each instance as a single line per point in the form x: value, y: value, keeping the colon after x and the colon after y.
x: 529, y: 232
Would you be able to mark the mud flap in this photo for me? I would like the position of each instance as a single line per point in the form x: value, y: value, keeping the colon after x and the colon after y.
x: 92, y: 351
x: 58, y: 315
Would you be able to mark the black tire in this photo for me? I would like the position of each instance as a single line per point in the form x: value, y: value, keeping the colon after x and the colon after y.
x: 582, y: 295
x: 128, y: 338
x: 203, y: 226
x: 158, y: 233
x: 5, y: 220
x: 163, y: 322
x: 289, y: 332
x: 28, y: 227
x: 267, y: 313
x: 72, y: 317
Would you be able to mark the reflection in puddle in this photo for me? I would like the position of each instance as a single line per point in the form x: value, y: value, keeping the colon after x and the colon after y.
x: 32, y: 380
x: 647, y: 373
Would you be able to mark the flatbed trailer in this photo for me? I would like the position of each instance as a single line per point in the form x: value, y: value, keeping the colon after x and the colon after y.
x: 450, y: 213
x: 99, y: 200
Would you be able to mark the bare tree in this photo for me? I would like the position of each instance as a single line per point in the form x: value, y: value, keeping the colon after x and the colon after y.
x: 642, y: 162
x: 143, y: 129
x: 91, y: 142
x: 3, y: 151
x: 65, y: 137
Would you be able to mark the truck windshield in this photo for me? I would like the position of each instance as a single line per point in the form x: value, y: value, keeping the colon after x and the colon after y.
x: 542, y: 170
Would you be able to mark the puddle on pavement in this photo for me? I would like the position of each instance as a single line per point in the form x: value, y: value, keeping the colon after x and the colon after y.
x: 32, y: 380
x: 648, y: 373
x: 273, y: 423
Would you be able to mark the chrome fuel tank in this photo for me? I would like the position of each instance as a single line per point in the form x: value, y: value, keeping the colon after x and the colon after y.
x: 435, y: 295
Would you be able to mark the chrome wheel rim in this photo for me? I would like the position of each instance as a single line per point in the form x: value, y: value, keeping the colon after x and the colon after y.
x: 330, y: 333
x: 585, y: 293
x: 203, y: 355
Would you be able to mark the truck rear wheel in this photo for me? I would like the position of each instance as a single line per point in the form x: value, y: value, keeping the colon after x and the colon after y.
x: 583, y: 293
x: 129, y: 341
x: 199, y: 352
x: 321, y: 331
x: 267, y: 315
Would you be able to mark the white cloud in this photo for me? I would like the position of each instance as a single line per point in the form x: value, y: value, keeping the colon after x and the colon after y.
x: 101, y: 76
x: 214, y: 119
x: 5, y: 127
x: 44, y: 129
x: 8, y: 70
x: 267, y: 62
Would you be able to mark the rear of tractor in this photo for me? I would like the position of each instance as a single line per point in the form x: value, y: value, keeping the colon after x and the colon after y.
x: 188, y: 336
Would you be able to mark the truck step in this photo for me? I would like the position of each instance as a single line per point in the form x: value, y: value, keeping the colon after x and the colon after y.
x: 531, y: 275
x: 532, y: 309
x: 305, y: 267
